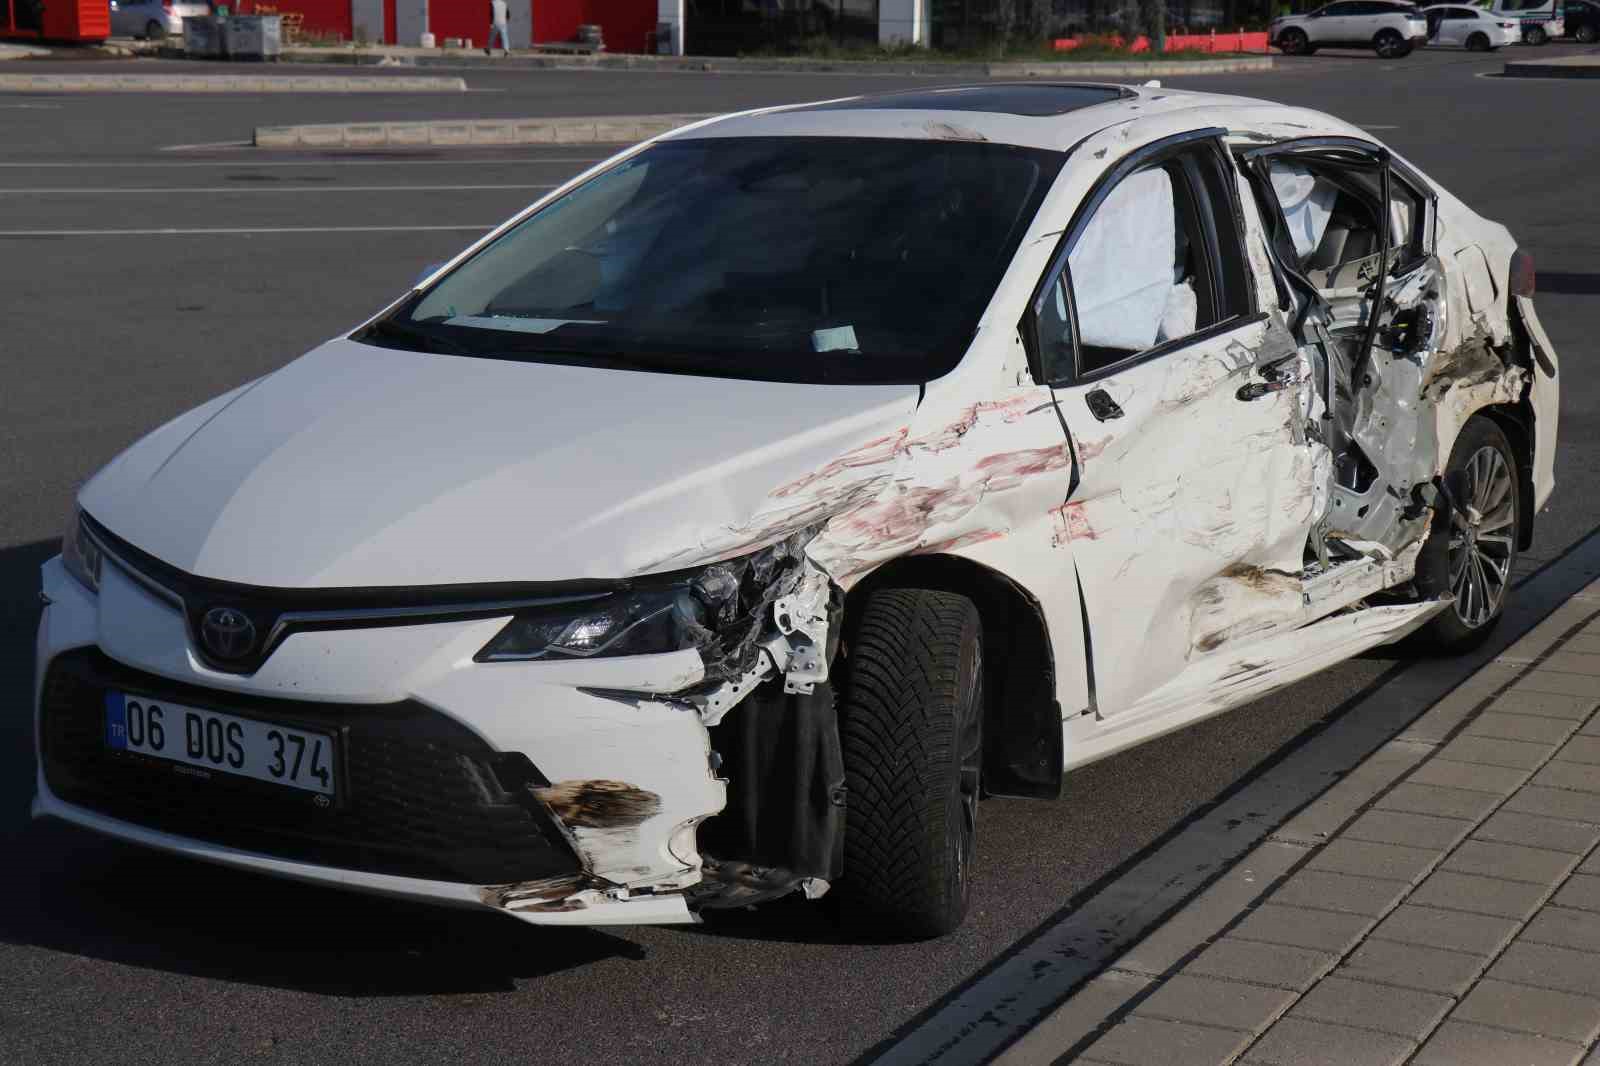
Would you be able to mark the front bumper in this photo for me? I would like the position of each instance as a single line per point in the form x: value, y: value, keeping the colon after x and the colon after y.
x: 429, y: 812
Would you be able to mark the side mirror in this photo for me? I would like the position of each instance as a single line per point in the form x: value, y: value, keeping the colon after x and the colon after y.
x: 426, y: 273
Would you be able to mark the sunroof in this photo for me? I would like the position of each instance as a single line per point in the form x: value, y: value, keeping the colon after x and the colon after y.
x: 1032, y: 99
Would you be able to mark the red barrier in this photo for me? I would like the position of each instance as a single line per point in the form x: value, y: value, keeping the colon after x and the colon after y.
x: 59, y: 20
x: 1238, y: 41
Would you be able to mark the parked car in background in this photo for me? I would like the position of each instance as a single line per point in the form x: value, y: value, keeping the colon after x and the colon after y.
x: 1541, y: 20
x: 1472, y: 28
x: 1388, y: 27
x: 1583, y: 20
x: 152, y: 19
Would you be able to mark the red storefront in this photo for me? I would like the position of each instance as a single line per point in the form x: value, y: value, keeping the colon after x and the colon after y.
x: 58, y: 20
x: 625, y: 25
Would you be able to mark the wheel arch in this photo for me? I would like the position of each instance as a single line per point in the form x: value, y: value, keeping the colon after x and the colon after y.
x: 1516, y: 422
x: 1022, y: 753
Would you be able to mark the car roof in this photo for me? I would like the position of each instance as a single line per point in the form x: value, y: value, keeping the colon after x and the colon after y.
x: 1034, y: 114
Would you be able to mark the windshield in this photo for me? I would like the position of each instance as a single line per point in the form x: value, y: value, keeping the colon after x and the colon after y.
x: 787, y: 259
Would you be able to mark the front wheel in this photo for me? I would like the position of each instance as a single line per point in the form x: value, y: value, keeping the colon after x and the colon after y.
x: 1470, y: 553
x: 1293, y: 42
x: 1536, y: 35
x: 911, y: 722
x: 1389, y: 44
x: 1588, y: 34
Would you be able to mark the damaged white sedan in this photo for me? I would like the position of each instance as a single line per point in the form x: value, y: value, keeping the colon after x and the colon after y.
x: 727, y: 523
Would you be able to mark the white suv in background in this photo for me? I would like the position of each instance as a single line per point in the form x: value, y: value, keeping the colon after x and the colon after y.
x: 1389, y: 28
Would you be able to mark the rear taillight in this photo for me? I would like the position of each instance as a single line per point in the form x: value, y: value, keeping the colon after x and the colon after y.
x: 1521, y: 273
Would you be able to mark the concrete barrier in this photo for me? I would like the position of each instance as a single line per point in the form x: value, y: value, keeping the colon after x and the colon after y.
x: 225, y: 83
x: 473, y: 133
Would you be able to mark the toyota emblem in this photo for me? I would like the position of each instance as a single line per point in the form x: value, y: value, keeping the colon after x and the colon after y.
x: 227, y: 633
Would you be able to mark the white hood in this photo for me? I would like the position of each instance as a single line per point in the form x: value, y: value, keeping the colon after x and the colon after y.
x: 357, y: 466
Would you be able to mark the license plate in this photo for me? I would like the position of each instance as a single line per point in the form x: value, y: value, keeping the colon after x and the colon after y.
x: 220, y: 743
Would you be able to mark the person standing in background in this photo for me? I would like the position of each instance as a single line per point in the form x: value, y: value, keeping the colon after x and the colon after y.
x: 499, y: 18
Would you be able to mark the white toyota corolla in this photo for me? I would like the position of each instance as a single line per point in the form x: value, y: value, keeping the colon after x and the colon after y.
x: 729, y: 521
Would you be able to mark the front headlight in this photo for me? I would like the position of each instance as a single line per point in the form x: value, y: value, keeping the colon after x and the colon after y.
x: 79, y: 553
x: 720, y: 610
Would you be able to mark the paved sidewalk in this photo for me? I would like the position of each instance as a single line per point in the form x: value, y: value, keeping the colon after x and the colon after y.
x: 1439, y: 906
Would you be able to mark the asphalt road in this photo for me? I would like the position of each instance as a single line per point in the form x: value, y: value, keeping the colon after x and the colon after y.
x: 110, y: 954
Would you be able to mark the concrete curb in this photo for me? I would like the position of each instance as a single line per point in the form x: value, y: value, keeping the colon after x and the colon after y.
x: 473, y: 133
x: 224, y: 83
x: 1569, y: 67
x: 20, y: 51
x: 457, y: 58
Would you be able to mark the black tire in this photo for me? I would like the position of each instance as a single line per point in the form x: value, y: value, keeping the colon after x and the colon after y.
x: 1479, y: 42
x: 1389, y: 44
x: 911, y: 725
x: 1536, y: 36
x: 154, y: 31
x: 1294, y: 42
x: 1473, y: 557
x: 1587, y: 33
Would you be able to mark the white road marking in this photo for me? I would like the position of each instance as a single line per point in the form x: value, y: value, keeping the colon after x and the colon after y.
x: 208, y: 144
x: 236, y: 230
x: 85, y: 164
x: 245, y: 188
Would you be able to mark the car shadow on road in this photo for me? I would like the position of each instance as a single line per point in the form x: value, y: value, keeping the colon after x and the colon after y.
x: 72, y: 891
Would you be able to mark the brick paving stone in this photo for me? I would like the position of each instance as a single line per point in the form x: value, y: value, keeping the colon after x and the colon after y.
x: 1400, y: 1011
x: 1297, y: 927
x: 1570, y: 661
x: 1561, y: 1015
x: 1591, y: 865
x: 1185, y: 998
x: 1556, y: 803
x: 1477, y: 933
x: 1436, y: 724
x: 1510, y: 861
x: 1546, y: 966
x: 1482, y: 895
x: 1579, y: 688
x: 1513, y: 828
x: 1525, y: 727
x: 1403, y: 827
x: 1446, y: 774
x: 1544, y: 704
x: 1414, y: 966
x: 1326, y: 890
x: 1083, y: 1012
x: 1580, y: 749
x: 1137, y: 1041
x: 1582, y: 892
x: 1464, y: 1044
x: 1204, y: 917
x: 1267, y: 964
x: 1574, y: 775
x: 1493, y: 751
x: 1298, y: 1042
x: 1563, y: 927
x: 1394, y: 861
x: 1591, y: 727
x: 1324, y: 816
x: 1444, y: 802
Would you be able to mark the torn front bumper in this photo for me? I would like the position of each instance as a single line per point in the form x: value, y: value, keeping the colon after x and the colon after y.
x: 622, y: 784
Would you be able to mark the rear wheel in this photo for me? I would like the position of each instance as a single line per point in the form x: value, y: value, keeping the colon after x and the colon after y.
x: 1536, y: 35
x: 1478, y: 42
x: 1389, y: 44
x: 911, y: 720
x: 154, y: 31
x: 1470, y: 554
x: 1293, y: 42
x: 1588, y: 33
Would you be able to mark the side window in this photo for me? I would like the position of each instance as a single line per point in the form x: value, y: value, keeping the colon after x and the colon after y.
x: 1332, y: 218
x: 1339, y: 10
x: 1158, y: 259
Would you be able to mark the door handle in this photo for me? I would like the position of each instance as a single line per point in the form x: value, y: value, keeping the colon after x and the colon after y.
x: 1102, y: 406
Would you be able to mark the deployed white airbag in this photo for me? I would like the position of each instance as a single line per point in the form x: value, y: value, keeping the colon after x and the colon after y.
x: 1307, y: 203
x: 1124, y: 263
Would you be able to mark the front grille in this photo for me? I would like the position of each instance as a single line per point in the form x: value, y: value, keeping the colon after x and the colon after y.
x: 419, y: 794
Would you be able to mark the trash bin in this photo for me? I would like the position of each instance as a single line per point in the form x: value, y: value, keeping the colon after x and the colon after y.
x: 202, y: 37
x: 253, y: 37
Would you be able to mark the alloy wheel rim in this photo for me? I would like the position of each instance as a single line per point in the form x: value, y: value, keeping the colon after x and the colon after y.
x: 1482, y: 537
x: 968, y: 781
